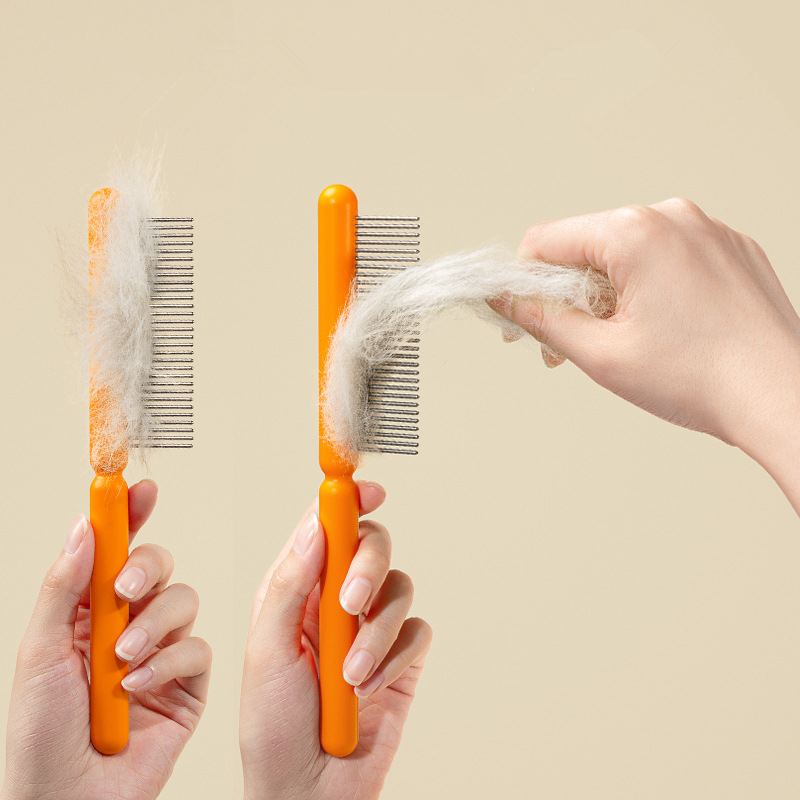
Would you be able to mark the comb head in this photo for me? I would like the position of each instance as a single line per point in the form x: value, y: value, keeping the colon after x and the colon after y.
x: 141, y: 325
x: 371, y: 390
x: 385, y: 246
x: 108, y: 450
x: 168, y: 389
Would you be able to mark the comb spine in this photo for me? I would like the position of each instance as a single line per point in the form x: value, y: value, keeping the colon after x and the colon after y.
x: 338, y: 495
x: 108, y: 513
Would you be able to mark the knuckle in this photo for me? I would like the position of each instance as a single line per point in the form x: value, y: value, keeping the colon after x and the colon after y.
x: 53, y: 581
x: 376, y: 540
x: 204, y: 652
x: 402, y: 581
x: 686, y: 213
x: 153, y: 554
x: 165, y: 558
x: 144, y: 551
x: 374, y: 567
x: 533, y: 233
x: 279, y: 582
x: 684, y: 206
x: 190, y: 593
x: 635, y: 216
x: 637, y: 223
x: 421, y: 627
x: 751, y: 246
x: 537, y: 317
x: 638, y: 226
x: 747, y: 241
x: 370, y: 526
x: 378, y: 628
x: 530, y: 316
x: 29, y: 658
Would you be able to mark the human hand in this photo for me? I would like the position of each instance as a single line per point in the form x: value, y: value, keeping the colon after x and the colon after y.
x: 703, y: 335
x: 48, y: 751
x: 279, y: 715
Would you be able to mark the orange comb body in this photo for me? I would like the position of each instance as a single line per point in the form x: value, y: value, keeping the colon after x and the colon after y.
x: 338, y: 494
x: 108, y: 504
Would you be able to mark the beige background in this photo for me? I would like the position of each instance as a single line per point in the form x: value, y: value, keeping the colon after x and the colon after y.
x: 616, y: 602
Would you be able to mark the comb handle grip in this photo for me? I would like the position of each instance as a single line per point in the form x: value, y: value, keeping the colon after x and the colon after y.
x: 338, y: 512
x: 108, y: 504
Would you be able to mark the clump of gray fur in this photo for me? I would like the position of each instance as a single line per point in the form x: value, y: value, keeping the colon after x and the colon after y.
x: 373, y: 324
x: 111, y: 314
x: 120, y: 335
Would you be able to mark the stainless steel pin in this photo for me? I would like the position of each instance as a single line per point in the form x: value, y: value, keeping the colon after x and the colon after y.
x: 386, y: 245
x: 169, y: 388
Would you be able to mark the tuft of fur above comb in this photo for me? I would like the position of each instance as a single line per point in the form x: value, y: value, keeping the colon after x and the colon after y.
x: 374, y: 323
x: 120, y: 335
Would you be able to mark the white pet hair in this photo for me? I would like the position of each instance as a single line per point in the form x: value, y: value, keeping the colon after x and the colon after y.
x: 375, y: 322
x: 120, y: 337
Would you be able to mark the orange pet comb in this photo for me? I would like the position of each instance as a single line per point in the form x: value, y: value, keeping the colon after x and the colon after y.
x: 167, y: 422
x: 108, y: 504
x: 355, y: 252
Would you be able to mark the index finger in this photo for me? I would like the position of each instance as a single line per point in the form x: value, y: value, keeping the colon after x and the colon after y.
x: 597, y: 240
x: 370, y: 497
x: 142, y: 498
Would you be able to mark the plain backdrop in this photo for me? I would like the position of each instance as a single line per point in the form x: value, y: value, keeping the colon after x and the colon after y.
x: 616, y: 602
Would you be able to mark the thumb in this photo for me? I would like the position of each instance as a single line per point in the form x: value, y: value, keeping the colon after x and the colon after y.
x: 52, y: 625
x: 276, y: 635
x: 570, y: 332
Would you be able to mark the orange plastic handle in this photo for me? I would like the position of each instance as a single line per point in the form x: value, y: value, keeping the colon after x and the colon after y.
x: 338, y: 494
x: 108, y: 505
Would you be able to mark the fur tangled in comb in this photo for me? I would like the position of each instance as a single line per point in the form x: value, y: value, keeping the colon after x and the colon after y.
x: 120, y: 336
x: 374, y: 324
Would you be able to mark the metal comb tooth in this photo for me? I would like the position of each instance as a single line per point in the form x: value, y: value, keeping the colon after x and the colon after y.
x: 385, y: 246
x: 169, y: 390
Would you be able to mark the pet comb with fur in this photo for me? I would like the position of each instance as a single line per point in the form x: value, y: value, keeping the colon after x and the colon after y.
x: 356, y: 253
x: 140, y: 350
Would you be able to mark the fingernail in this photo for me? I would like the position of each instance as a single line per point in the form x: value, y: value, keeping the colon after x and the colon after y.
x: 550, y: 357
x: 374, y: 485
x: 501, y: 304
x: 76, y: 534
x: 306, y: 534
x: 131, y: 643
x: 131, y: 582
x: 358, y: 666
x: 511, y: 334
x: 137, y: 679
x: 354, y: 597
x: 371, y: 686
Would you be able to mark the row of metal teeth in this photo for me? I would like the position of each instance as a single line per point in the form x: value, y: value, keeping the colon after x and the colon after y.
x: 384, y: 246
x: 169, y: 390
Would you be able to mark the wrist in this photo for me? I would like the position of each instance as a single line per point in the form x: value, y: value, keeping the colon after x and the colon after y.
x: 771, y: 433
x: 782, y: 462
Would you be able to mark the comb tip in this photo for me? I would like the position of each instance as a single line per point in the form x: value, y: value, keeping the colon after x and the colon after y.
x: 337, y: 193
x: 101, y: 197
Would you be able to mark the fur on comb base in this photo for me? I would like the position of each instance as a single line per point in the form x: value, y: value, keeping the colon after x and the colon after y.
x: 120, y: 336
